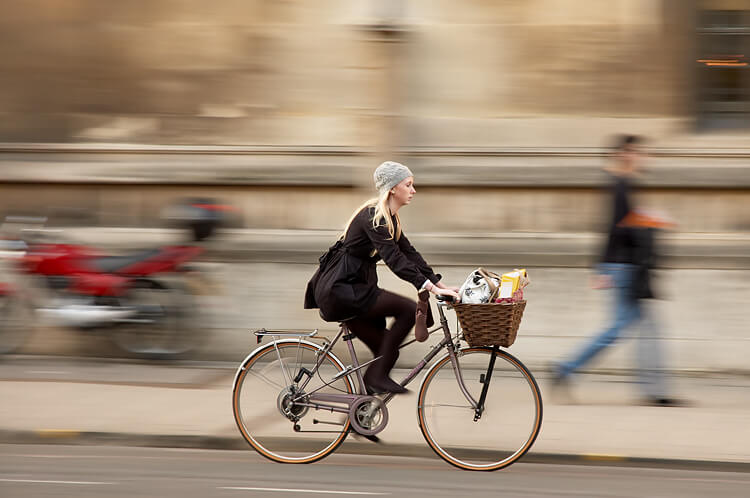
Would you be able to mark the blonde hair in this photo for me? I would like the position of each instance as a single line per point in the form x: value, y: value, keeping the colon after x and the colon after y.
x: 381, y: 216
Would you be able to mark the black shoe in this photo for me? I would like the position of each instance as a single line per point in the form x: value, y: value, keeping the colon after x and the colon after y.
x: 384, y: 385
x: 664, y: 401
x: 560, y: 386
x: 558, y: 381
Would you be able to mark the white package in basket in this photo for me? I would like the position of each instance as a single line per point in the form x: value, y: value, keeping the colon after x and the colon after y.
x: 479, y: 287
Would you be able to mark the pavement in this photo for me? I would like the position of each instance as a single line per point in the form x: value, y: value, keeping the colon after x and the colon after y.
x: 68, y: 400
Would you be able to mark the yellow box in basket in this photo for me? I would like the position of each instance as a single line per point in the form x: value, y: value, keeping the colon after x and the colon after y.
x: 510, y: 282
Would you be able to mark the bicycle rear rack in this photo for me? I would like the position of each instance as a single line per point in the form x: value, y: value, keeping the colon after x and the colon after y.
x: 284, y: 333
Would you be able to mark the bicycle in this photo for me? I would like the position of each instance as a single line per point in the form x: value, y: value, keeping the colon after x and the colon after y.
x: 294, y: 401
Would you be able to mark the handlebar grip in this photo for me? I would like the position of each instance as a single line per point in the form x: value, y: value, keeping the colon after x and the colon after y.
x: 445, y: 299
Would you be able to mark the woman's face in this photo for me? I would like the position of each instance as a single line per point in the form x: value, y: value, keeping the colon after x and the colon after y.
x: 404, y: 191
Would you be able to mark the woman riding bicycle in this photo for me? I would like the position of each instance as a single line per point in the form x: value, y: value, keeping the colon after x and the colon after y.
x: 345, y: 287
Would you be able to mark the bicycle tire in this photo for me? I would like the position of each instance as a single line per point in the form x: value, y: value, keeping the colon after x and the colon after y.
x: 269, y: 431
x: 511, y: 420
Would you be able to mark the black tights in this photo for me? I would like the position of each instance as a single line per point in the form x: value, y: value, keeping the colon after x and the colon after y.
x: 370, y: 328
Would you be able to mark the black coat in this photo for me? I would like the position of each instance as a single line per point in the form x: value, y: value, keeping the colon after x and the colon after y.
x: 345, y: 285
x: 620, y: 239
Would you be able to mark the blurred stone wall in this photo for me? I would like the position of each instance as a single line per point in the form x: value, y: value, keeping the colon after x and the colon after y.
x: 438, y: 210
x: 502, y: 107
x: 185, y: 71
x: 343, y: 72
x: 548, y: 72
x: 700, y: 317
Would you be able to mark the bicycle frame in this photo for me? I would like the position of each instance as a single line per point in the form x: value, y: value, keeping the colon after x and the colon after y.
x: 342, y: 403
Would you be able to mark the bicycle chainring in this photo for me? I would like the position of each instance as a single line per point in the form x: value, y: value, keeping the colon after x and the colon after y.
x: 368, y: 415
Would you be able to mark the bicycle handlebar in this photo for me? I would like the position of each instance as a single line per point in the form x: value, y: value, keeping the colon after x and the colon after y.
x: 445, y: 299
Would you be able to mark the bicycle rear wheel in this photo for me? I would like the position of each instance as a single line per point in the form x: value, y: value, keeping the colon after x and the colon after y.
x: 508, y: 425
x: 263, y: 402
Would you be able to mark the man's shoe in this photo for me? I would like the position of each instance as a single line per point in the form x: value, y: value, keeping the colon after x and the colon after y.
x: 560, y: 385
x: 665, y: 401
x: 558, y: 379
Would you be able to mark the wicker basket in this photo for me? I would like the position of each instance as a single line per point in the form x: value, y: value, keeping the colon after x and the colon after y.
x: 490, y: 324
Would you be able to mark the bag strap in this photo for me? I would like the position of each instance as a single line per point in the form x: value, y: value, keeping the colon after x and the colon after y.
x: 338, y: 245
x: 488, y: 276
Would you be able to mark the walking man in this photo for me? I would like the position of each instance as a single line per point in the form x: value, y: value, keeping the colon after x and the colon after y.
x: 624, y: 267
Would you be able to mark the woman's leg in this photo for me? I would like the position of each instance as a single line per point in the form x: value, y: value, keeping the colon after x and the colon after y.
x: 368, y: 331
x: 383, y: 342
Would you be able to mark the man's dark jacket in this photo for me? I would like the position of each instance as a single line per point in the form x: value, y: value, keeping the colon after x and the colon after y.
x: 629, y: 244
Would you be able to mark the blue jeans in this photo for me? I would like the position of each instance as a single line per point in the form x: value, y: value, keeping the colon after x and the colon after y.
x: 627, y: 311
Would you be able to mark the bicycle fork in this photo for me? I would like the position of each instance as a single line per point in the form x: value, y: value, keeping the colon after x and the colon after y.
x: 485, y: 379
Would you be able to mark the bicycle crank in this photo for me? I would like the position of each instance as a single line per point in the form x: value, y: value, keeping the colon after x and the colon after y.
x: 368, y: 415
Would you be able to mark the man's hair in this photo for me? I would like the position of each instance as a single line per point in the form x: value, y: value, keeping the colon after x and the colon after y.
x: 622, y: 142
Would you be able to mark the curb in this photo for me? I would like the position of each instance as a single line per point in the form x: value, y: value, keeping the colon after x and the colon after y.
x: 354, y: 445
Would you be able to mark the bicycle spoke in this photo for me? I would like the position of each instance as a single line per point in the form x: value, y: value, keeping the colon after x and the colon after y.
x: 318, y: 432
x: 283, y: 367
x: 435, y: 405
x: 264, y: 378
x: 270, y: 413
x: 297, y: 361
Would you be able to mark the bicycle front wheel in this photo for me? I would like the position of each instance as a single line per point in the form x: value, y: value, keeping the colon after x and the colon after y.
x: 486, y: 439
x: 270, y: 407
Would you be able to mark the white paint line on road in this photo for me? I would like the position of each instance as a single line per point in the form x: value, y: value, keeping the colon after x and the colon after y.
x: 28, y: 455
x: 66, y: 457
x: 35, y: 481
x: 320, y: 491
x: 708, y: 480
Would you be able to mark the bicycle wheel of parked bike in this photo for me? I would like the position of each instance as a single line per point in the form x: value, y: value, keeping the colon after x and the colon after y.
x: 163, y: 324
x: 271, y: 408
x: 14, y: 324
x: 504, y: 430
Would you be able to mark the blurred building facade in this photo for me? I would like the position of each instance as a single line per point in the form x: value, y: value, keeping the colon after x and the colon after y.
x: 504, y: 104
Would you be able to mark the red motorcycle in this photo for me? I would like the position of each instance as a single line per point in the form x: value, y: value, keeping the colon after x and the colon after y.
x: 141, y: 298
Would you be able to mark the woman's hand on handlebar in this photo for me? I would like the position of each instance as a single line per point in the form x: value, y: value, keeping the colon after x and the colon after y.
x: 443, y: 286
x: 445, y: 292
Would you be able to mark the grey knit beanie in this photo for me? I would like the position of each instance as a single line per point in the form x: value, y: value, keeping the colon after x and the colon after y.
x: 389, y: 174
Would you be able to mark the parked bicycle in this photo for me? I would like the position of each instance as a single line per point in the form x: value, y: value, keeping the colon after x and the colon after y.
x: 295, y: 401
